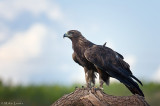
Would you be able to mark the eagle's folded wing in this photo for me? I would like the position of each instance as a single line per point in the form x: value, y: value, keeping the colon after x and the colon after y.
x: 106, y: 60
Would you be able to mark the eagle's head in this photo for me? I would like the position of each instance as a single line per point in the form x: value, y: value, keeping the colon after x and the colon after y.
x: 72, y: 34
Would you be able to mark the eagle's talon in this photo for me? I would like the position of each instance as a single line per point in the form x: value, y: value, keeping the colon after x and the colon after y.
x: 89, y: 87
x: 93, y: 89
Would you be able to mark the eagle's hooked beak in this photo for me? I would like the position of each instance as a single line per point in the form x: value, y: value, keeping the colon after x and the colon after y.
x: 66, y: 35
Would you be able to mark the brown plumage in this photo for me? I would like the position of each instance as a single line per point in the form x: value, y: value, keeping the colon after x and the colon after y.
x: 102, y: 60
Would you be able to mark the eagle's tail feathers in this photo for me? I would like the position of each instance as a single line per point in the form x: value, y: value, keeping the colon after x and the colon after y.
x: 133, y: 87
x: 136, y: 79
x: 134, y: 90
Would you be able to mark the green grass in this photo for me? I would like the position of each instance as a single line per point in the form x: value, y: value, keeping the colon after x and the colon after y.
x: 45, y: 95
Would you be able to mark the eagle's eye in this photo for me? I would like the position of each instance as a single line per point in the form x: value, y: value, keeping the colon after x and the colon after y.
x: 71, y: 33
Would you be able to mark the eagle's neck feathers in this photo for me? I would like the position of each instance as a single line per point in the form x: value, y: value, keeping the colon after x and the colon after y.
x: 80, y: 44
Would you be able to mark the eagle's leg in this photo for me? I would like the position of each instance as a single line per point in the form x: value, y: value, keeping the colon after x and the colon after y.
x: 100, y: 78
x: 93, y: 76
x: 90, y: 78
x: 87, y: 78
x: 101, y: 82
x: 88, y: 81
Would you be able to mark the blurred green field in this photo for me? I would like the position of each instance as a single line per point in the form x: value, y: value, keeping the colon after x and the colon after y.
x: 45, y: 95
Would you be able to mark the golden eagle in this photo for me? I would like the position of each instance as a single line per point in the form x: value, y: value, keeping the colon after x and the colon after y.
x: 102, y: 60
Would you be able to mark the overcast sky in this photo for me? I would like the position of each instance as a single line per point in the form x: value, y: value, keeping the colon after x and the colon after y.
x: 32, y: 48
